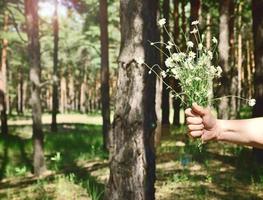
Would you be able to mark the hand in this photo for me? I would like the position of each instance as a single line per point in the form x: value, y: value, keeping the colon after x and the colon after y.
x: 201, y: 123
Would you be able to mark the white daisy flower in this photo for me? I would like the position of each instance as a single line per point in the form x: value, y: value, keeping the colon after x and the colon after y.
x: 162, y: 22
x: 252, y: 102
x: 219, y: 71
x: 169, y: 62
x: 190, y: 44
x: 210, y: 54
x: 200, y: 46
x: 163, y: 74
x: 192, y: 54
x: 214, y: 40
x: 195, y: 22
x: 194, y: 31
x: 176, y: 57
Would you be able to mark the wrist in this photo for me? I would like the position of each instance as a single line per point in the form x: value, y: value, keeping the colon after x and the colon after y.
x: 219, y: 130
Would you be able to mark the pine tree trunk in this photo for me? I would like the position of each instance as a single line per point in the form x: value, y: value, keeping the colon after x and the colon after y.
x: 83, y: 96
x: 105, y: 96
x: 223, y: 111
x: 63, y: 95
x: 132, y: 159
x: 232, y: 63
x: 3, y: 80
x: 257, y: 7
x: 239, y: 57
x: 20, y: 92
x: 249, y: 71
x: 165, y: 92
x: 208, y: 32
x: 194, y: 11
x: 55, y: 69
x: 35, y: 78
x: 183, y: 16
x: 176, y: 86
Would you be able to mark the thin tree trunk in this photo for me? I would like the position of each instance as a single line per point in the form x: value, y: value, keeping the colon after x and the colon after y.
x: 176, y: 101
x: 257, y: 7
x: 183, y: 16
x: 249, y: 71
x: 223, y: 47
x: 194, y: 15
x: 71, y: 92
x: 132, y: 159
x: 232, y: 64
x: 165, y: 92
x: 35, y: 78
x: 3, y: 80
x: 63, y: 95
x: 105, y: 95
x: 55, y: 69
x: 208, y: 32
x: 239, y: 57
x: 20, y: 92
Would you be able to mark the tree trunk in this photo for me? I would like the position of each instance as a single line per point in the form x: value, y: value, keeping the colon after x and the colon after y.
x: 20, y: 92
x: 63, y: 95
x: 132, y: 159
x: 176, y: 86
x: 232, y: 63
x: 183, y: 16
x: 223, y: 47
x: 165, y: 92
x: 71, y: 92
x: 83, y: 96
x: 3, y: 80
x: 208, y: 32
x: 105, y: 95
x: 249, y: 71
x: 55, y: 70
x: 239, y: 55
x: 35, y: 78
x: 257, y: 7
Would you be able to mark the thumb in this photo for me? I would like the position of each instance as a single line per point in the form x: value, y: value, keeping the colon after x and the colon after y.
x: 199, y: 109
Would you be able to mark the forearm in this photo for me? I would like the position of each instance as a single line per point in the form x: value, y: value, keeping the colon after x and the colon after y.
x: 246, y: 132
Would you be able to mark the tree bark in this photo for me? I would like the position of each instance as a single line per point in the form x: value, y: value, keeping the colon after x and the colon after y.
x: 63, y: 95
x: 55, y: 69
x: 20, y: 92
x: 31, y: 13
x: 208, y: 32
x: 176, y: 101
x: 232, y: 63
x: 239, y: 55
x: 183, y: 16
x: 165, y: 92
x: 257, y: 7
x: 223, y: 47
x: 132, y: 159
x: 3, y: 80
x: 105, y: 95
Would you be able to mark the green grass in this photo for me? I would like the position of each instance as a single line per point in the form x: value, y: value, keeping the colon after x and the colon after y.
x: 65, y: 150
x: 80, y: 169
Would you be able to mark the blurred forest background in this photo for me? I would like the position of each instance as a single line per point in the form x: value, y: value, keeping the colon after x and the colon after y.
x: 81, y: 119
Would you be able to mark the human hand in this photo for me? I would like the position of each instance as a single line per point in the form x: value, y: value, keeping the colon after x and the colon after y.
x: 201, y: 123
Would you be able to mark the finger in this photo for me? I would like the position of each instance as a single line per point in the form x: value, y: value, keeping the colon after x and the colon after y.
x: 189, y: 113
x: 198, y: 127
x: 199, y: 109
x: 195, y: 133
x: 194, y: 120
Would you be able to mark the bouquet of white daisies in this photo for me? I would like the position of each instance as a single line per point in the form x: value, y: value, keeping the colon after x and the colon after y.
x: 193, y: 67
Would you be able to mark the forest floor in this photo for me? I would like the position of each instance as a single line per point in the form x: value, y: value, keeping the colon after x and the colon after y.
x: 78, y: 167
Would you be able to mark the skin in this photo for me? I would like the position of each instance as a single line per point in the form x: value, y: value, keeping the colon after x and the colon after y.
x: 201, y: 123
